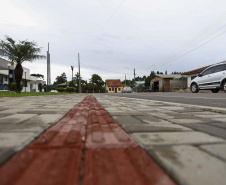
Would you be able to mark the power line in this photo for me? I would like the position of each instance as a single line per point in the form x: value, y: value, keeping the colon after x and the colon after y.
x: 196, y: 42
x: 112, y: 15
x: 193, y: 49
x: 104, y: 69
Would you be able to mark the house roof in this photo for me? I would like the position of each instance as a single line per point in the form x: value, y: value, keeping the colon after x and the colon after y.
x: 199, y: 70
x: 114, y: 83
x: 195, y: 71
x: 167, y: 76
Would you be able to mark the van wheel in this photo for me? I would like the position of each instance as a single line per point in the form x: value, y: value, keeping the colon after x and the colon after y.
x: 194, y: 88
x: 224, y: 86
x: 215, y: 90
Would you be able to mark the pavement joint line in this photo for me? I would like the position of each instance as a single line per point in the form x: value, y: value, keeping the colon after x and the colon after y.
x: 220, y: 158
x: 206, y: 108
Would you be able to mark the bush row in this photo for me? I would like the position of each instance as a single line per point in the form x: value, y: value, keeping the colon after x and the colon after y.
x: 68, y: 89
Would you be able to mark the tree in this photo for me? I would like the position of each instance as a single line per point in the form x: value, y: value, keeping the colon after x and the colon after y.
x: 60, y: 79
x: 96, y: 79
x: 128, y: 82
x: 166, y: 72
x: 147, y: 81
x: 19, y: 52
x: 38, y: 75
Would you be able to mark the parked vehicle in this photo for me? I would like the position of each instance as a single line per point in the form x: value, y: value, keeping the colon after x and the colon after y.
x: 213, y: 78
x: 126, y: 89
x: 54, y: 91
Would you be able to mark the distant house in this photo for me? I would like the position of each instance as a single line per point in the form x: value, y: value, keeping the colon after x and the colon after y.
x: 113, y: 86
x: 161, y: 83
x: 30, y: 83
x: 140, y: 83
x: 64, y: 85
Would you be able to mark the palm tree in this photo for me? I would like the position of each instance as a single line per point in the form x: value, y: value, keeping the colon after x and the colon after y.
x: 19, y: 52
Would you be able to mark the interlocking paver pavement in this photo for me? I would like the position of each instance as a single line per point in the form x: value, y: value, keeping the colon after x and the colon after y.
x: 191, y: 154
x: 23, y: 119
x: 89, y: 147
x: 87, y: 130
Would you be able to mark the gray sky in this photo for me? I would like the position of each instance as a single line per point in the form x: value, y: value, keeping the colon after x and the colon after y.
x: 115, y: 36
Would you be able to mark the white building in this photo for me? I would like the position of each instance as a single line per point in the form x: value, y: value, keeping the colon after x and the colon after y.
x: 30, y: 83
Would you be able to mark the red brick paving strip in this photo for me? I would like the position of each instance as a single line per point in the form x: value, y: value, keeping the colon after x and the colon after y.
x: 112, y: 157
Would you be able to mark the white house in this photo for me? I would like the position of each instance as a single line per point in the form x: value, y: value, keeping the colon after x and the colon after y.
x: 30, y: 83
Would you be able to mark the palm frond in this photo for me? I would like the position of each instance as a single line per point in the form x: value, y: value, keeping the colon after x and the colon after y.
x: 23, y: 51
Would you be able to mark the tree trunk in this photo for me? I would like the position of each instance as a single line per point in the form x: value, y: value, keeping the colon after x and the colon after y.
x: 18, y: 76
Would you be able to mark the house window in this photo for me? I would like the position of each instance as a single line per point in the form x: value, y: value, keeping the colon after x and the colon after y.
x: 5, y: 79
x: 109, y: 89
x: 119, y: 89
x: 24, y: 83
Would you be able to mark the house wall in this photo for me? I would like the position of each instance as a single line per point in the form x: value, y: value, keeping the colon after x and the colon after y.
x: 189, y: 79
x: 112, y: 89
x: 32, y: 82
x: 178, y: 84
x: 164, y: 84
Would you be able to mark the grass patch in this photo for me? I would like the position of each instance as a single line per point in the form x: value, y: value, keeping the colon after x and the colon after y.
x: 22, y: 94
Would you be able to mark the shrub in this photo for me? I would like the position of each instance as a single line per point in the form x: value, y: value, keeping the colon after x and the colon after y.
x: 13, y: 86
x: 71, y: 84
x: 70, y: 89
x: 60, y: 89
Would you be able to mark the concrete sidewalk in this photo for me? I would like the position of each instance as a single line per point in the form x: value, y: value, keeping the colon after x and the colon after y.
x: 189, y: 144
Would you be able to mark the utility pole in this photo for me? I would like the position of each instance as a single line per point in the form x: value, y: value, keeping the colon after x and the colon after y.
x: 79, y: 74
x: 134, y: 77
x: 48, y: 68
x: 125, y: 80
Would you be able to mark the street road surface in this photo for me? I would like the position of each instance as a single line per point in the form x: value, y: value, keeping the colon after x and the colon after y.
x: 203, y: 99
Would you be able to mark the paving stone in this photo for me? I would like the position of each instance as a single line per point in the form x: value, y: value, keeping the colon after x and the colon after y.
x: 108, y: 136
x: 62, y: 136
x: 44, y: 120
x: 126, y: 120
x: 112, y: 166
x: 14, y: 111
x: 150, y: 128
x: 174, y: 138
x: 218, y: 150
x: 187, y: 110
x: 21, y: 128
x: 38, y: 166
x: 172, y: 108
x: 219, y: 119
x: 16, y: 118
x: 181, y: 115
x: 182, y: 121
x: 216, y: 131
x: 211, y: 116
x: 13, y: 139
x: 188, y: 165
x: 41, y: 111
x: 127, y: 113
x: 148, y: 118
x: 4, y: 115
x: 221, y: 124
x: 161, y: 115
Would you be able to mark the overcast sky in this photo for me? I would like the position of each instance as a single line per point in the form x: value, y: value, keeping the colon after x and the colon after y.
x: 114, y: 36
